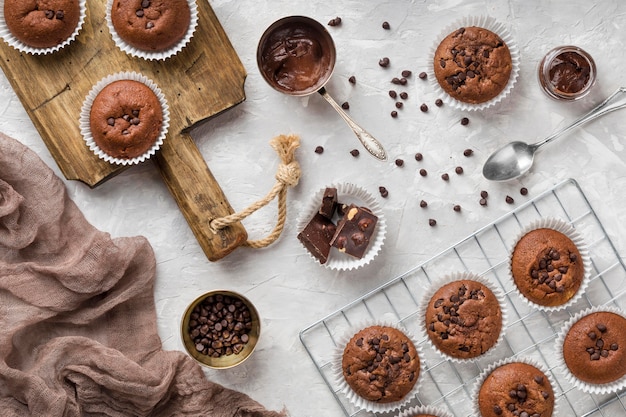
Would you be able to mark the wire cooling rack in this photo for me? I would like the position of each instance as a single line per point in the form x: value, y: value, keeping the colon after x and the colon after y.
x: 529, y: 333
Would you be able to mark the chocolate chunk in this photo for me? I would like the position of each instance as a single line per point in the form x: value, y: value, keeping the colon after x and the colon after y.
x: 329, y: 203
x: 354, y: 231
x: 317, y: 235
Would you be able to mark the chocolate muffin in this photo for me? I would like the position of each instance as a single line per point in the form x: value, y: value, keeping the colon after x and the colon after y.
x: 151, y: 25
x: 472, y: 64
x: 547, y: 267
x: 42, y: 26
x: 516, y: 389
x: 594, y: 348
x: 463, y: 319
x: 380, y: 364
x: 126, y: 119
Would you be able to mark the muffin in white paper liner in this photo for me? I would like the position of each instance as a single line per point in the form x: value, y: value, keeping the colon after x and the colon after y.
x: 153, y: 55
x: 576, y: 238
x: 14, y: 42
x: 354, y: 398
x: 85, y: 127
x: 606, y: 388
x: 425, y: 409
x: 485, y: 22
x: 348, y: 193
x: 458, y: 276
x: 529, y: 361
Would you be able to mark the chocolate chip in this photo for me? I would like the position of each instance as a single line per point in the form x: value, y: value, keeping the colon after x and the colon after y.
x: 538, y: 379
x: 394, y: 114
x: 399, y: 104
x: 145, y: 4
x: 457, y: 208
x: 484, y: 194
x: 601, y: 327
x: 509, y: 199
x: 386, y: 25
x: 423, y: 204
x: 334, y: 22
x: 445, y: 176
x: 465, y: 121
x: 395, y: 80
x: 433, y: 222
x: 139, y: 13
x: 319, y: 149
x: 60, y: 15
x: 439, y: 102
x: 458, y: 170
x: 424, y: 107
x: 49, y: 14
x: 403, y: 81
x: 384, y: 62
x: 419, y: 156
x: 393, y: 94
x: 134, y: 121
x: 404, y: 95
x: 345, y: 105
x: 383, y: 191
x: 352, y: 79
x: 149, y: 25
x: 483, y: 202
x: 399, y: 162
x: 523, y: 191
x: 423, y: 75
x: 406, y: 73
x: 423, y: 172
x: 468, y: 152
x: 111, y: 121
x: 354, y: 152
x: 497, y: 410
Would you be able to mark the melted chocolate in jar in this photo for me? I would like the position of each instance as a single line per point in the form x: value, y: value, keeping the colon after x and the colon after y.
x: 569, y: 72
x: 294, y: 58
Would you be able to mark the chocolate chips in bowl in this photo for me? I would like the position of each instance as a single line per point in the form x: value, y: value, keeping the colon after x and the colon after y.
x: 220, y: 329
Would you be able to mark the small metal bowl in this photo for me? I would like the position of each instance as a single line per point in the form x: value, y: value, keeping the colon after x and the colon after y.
x: 223, y: 361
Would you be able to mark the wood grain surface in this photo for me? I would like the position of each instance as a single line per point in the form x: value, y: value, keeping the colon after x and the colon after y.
x: 206, y: 78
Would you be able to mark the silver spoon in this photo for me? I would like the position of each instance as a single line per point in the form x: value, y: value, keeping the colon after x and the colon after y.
x: 515, y: 159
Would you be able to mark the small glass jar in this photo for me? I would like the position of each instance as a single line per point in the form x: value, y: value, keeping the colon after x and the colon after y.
x: 567, y: 73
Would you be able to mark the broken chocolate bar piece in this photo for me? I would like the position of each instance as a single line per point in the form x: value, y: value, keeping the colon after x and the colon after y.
x: 317, y: 235
x: 329, y: 203
x: 354, y: 231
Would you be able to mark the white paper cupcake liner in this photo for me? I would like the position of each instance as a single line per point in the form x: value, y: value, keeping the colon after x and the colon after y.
x: 352, y: 396
x: 584, y: 386
x: 348, y: 194
x: 85, y: 128
x: 436, y: 285
x: 153, y: 55
x: 10, y: 39
x: 485, y: 22
x: 574, y: 236
x: 428, y: 410
x: 529, y: 361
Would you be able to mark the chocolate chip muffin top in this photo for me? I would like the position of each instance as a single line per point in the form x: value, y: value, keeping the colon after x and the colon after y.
x: 472, y: 64
x: 151, y: 25
x: 42, y: 26
x: 516, y: 389
x: 380, y: 364
x: 547, y: 267
x: 463, y: 319
x: 594, y: 348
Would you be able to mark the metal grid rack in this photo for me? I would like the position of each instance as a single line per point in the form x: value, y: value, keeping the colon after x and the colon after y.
x: 529, y: 333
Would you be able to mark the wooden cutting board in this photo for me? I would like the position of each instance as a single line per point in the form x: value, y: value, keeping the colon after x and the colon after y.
x: 203, y: 80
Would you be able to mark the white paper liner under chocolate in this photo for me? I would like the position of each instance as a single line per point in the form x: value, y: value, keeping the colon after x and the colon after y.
x: 484, y: 374
x: 574, y: 236
x: 499, y: 29
x: 12, y: 41
x: 609, y: 387
x: 85, y: 127
x: 346, y: 194
x: 153, y: 55
x: 354, y: 398
x: 425, y: 409
x: 436, y: 285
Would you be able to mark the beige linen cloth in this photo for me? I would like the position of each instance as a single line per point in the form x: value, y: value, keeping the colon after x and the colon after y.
x: 78, y: 333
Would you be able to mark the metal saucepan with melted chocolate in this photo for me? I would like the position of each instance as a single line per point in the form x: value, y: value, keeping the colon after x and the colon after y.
x: 296, y: 56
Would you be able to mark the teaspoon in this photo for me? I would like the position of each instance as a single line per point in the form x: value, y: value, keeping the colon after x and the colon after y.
x: 515, y: 159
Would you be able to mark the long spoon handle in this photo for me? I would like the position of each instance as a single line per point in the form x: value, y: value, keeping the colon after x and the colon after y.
x: 373, y: 146
x: 615, y: 101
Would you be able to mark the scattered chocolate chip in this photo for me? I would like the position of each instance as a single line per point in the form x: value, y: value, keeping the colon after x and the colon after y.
x: 423, y: 204
x: 458, y: 170
x: 419, y: 156
x: 424, y: 107
x: 354, y: 152
x: 334, y: 22
x: 423, y: 172
x: 468, y: 152
x: 465, y: 121
x: 406, y: 73
x: 345, y: 105
x: 456, y: 208
x: 393, y: 94
x: 404, y: 95
x: 432, y: 222
x: 395, y: 80
x: 403, y: 81
x: 352, y: 79
x: 423, y: 75
x: 399, y: 162
x: 483, y: 201
x: 394, y: 114
x: 384, y: 62
x: 439, y: 102
x: 509, y: 199
x: 386, y: 26
x: 383, y: 191
x: 484, y: 194
x: 523, y: 191
x: 319, y: 149
x: 445, y: 176
x: 399, y: 104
